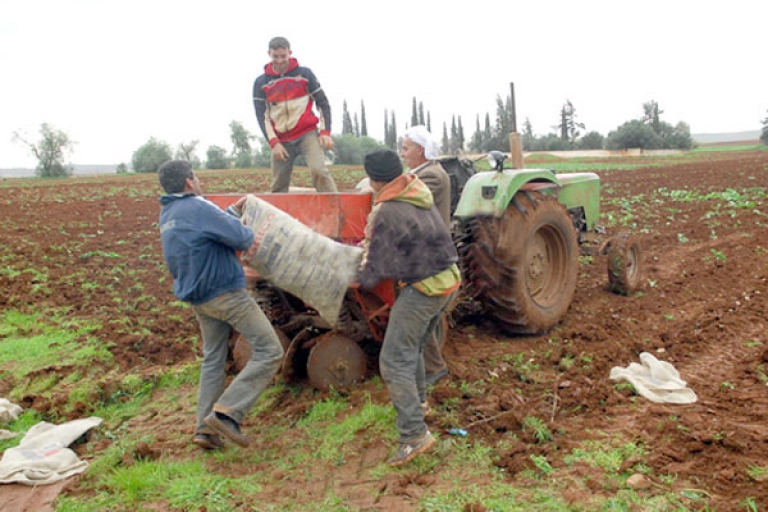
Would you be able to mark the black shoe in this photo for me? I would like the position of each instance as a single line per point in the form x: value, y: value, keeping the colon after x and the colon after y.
x: 227, y: 427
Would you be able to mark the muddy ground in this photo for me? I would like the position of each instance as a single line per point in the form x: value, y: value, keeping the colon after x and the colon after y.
x: 701, y: 307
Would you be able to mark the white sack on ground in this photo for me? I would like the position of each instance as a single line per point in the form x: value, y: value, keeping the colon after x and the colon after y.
x: 42, y: 457
x: 299, y: 260
x: 9, y: 411
x: 655, y: 380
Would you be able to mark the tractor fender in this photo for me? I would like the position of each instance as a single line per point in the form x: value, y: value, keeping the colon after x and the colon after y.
x: 488, y: 194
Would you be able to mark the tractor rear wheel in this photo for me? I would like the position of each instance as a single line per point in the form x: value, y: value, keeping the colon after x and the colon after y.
x: 527, y: 262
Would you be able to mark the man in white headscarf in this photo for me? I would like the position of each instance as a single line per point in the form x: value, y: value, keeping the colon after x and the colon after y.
x: 419, y: 153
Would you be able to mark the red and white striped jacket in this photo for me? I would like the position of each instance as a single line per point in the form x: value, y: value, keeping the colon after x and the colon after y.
x: 284, y: 103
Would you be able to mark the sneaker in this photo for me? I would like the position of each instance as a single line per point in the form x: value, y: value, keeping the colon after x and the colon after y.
x: 406, y: 452
x: 227, y: 427
x: 208, y: 441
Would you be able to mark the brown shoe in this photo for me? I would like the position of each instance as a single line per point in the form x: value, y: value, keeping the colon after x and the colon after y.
x: 208, y: 441
x: 227, y: 427
x: 406, y: 452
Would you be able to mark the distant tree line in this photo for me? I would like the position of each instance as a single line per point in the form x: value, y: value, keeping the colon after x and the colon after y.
x: 647, y: 132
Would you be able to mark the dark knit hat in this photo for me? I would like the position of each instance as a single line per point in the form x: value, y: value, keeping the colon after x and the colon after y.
x: 383, y: 165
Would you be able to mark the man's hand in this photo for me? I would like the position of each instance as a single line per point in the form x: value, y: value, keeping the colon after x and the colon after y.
x: 280, y: 152
x: 326, y: 142
x: 239, y: 205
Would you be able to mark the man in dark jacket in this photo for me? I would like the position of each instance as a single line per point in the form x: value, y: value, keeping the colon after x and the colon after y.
x: 406, y: 240
x: 283, y: 97
x: 199, y: 245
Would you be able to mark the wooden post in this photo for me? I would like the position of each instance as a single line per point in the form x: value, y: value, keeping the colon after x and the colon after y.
x: 516, y: 150
x: 515, y: 140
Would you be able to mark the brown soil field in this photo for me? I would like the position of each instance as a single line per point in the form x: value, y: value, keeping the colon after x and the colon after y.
x: 701, y: 307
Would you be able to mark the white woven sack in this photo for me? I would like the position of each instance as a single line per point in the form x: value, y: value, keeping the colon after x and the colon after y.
x: 299, y: 260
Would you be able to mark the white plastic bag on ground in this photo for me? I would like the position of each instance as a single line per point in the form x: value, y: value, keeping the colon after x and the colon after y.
x: 299, y: 260
x: 658, y: 381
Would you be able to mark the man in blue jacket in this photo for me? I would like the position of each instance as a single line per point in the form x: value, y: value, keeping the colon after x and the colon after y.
x: 199, y: 245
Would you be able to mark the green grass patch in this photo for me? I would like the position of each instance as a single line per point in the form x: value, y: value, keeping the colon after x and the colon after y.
x: 20, y: 426
x: 731, y: 198
x: 178, y: 376
x: 759, y: 473
x: 30, y: 343
x: 323, y: 411
x: 497, y: 496
x: 330, y: 437
x: 604, y: 455
x: 184, y: 486
x: 537, y: 428
x: 134, y: 391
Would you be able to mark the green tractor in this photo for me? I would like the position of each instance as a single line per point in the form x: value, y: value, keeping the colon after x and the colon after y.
x: 519, y: 234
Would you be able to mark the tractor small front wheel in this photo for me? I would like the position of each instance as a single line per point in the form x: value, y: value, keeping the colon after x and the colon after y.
x: 625, y: 263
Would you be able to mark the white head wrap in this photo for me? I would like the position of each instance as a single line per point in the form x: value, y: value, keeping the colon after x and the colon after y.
x: 423, y: 138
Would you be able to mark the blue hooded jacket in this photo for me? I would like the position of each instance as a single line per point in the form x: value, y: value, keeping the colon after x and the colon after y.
x: 199, y: 244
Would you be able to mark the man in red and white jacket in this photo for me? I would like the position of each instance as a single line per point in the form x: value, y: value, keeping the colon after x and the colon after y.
x: 284, y: 97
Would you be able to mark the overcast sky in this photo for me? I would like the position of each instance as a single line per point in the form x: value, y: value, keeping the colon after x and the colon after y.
x: 114, y: 74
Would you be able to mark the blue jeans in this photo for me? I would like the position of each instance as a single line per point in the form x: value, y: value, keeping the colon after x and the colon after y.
x: 234, y: 310
x: 412, y: 323
x: 309, y: 146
